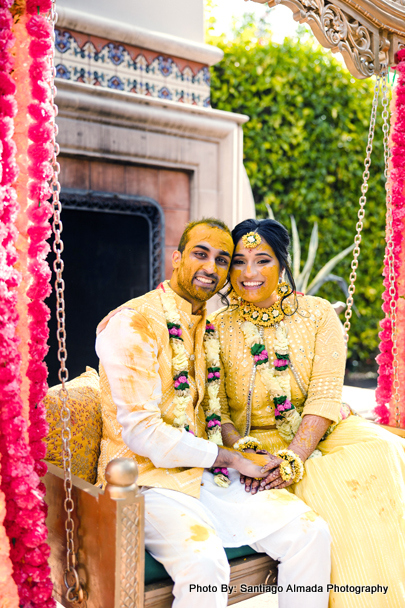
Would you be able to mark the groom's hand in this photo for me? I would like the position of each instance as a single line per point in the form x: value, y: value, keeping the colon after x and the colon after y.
x: 236, y: 460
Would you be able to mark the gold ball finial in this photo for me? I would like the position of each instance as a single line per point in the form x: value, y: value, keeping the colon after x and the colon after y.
x: 121, y: 475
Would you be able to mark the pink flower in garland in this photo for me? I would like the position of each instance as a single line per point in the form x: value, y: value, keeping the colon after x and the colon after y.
x: 22, y: 463
x: 8, y: 588
x: 397, y: 178
x: 9, y: 357
x: 40, y: 153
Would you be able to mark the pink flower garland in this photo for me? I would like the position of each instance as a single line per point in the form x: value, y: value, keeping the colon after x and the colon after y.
x: 21, y: 78
x: 40, y: 153
x: 8, y: 588
x: 26, y: 509
x: 397, y: 177
x: 9, y: 279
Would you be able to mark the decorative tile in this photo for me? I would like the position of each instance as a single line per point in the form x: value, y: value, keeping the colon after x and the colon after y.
x: 112, y: 65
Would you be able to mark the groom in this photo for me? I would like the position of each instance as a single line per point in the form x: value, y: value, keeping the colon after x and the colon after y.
x: 151, y: 417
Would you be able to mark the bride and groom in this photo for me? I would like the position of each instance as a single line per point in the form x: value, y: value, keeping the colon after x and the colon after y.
x: 262, y: 376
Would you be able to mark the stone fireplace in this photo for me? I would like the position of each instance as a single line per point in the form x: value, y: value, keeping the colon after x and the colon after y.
x: 142, y: 153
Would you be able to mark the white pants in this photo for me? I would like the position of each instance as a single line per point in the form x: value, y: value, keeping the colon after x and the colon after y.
x: 180, y: 535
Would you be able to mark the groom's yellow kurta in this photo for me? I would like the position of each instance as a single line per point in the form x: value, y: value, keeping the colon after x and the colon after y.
x: 358, y: 485
x: 149, y: 361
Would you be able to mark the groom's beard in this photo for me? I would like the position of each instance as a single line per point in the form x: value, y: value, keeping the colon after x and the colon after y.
x: 187, y: 283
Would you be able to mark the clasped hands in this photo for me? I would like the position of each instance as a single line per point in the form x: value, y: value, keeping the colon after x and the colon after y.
x: 269, y: 474
x: 271, y: 479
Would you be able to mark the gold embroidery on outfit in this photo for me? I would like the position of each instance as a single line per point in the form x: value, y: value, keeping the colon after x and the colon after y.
x: 86, y: 424
x: 356, y: 486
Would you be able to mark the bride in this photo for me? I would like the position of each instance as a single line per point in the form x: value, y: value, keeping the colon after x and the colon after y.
x: 283, y: 356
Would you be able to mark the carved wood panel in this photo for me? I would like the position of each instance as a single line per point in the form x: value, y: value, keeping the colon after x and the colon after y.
x: 368, y: 34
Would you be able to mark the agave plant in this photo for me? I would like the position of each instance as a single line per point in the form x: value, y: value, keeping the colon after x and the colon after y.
x: 301, y: 278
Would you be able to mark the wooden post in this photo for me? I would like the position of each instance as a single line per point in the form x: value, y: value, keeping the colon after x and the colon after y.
x: 109, y: 537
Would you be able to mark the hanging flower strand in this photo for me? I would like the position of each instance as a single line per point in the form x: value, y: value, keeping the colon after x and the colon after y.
x: 9, y: 278
x: 180, y: 370
x: 40, y: 153
x: 25, y: 507
x: 213, y: 412
x: 397, y: 177
x: 20, y: 76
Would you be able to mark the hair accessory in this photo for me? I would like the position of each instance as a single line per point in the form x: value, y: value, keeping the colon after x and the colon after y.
x: 251, y: 240
x: 283, y: 289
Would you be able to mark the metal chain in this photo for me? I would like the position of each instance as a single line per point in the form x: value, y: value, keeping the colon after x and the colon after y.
x: 392, y: 291
x: 75, y: 594
x: 361, y: 212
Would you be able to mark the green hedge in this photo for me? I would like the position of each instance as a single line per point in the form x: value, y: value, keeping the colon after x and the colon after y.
x: 304, y: 149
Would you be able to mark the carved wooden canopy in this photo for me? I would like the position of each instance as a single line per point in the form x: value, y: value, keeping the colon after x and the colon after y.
x: 367, y: 33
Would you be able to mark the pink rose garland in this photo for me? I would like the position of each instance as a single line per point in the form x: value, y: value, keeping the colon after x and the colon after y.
x: 385, y: 414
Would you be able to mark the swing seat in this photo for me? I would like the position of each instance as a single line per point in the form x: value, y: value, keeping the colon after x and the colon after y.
x: 113, y: 566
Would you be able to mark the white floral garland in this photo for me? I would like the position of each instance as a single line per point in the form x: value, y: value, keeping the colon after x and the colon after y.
x: 275, y: 379
x: 180, y: 370
x: 179, y: 360
x: 213, y: 412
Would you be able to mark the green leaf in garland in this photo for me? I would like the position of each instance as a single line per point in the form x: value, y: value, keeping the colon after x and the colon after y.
x: 257, y: 349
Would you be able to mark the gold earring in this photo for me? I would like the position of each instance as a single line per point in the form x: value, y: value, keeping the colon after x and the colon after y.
x: 283, y: 289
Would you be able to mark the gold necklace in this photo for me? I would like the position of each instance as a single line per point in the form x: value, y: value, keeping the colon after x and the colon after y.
x: 266, y: 317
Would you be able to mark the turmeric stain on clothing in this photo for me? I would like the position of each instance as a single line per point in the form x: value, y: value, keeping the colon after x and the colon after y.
x: 200, y: 533
x: 309, y: 516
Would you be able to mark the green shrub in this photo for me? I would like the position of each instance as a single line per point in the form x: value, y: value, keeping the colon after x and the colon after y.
x: 304, y: 149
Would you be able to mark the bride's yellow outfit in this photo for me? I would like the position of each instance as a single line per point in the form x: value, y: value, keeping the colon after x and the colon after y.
x: 358, y: 485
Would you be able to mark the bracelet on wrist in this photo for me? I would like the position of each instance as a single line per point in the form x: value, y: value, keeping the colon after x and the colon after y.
x: 246, y: 443
x: 292, y: 468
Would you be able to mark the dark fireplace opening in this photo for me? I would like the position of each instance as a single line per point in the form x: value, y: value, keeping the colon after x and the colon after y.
x: 113, y: 252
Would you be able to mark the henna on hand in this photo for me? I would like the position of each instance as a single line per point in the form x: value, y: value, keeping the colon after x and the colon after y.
x: 310, y: 432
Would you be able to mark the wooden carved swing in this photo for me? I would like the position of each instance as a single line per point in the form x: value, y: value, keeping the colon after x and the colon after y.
x: 98, y: 556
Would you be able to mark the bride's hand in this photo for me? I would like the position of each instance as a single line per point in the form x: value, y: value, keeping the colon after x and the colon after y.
x: 273, y: 479
x: 253, y: 485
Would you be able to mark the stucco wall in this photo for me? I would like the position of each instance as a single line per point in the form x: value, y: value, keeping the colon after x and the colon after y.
x: 182, y: 18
